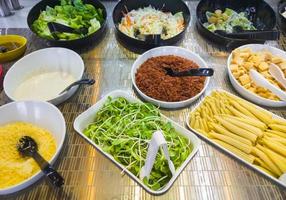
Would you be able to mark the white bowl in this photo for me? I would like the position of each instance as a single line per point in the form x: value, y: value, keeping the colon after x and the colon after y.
x: 49, y: 59
x: 168, y: 50
x: 42, y: 114
x: 244, y: 92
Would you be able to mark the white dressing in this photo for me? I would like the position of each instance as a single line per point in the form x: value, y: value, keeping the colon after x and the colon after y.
x: 43, y: 86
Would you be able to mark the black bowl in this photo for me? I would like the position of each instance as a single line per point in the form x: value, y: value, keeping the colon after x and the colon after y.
x: 73, y: 44
x: 281, y: 19
x: 264, y: 19
x: 140, y: 46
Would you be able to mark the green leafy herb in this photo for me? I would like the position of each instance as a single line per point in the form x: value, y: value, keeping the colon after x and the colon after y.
x: 123, y: 129
x: 72, y: 13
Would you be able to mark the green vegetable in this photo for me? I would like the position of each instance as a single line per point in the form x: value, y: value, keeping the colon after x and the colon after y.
x: 226, y: 20
x: 123, y: 129
x: 72, y: 13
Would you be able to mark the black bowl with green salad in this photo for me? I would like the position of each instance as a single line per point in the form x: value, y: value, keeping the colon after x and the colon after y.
x: 86, y: 20
x: 232, y: 23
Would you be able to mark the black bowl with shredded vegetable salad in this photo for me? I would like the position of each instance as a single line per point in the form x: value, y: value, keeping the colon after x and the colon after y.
x: 123, y: 130
x: 137, y: 45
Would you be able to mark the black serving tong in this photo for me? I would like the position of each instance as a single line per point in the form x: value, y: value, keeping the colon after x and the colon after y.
x: 55, y: 28
x: 27, y: 146
x: 154, y: 39
x: 191, y: 72
x: 239, y: 33
x: 251, y: 14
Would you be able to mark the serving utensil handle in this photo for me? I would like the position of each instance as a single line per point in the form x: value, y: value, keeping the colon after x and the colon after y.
x: 201, y: 72
x: 80, y: 82
x: 257, y: 35
x: 54, y: 177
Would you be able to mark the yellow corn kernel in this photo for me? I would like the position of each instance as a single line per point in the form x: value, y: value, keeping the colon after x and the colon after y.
x: 248, y: 85
x: 268, y: 56
x: 282, y: 65
x: 241, y: 72
x: 263, y: 66
x: 234, y: 67
x: 244, y: 54
x: 256, y: 60
x: 252, y: 89
x: 236, y: 74
x: 244, y: 79
x: 238, y: 60
x: 276, y: 59
x: 248, y: 65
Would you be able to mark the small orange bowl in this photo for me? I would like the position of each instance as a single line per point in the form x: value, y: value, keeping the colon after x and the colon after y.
x: 15, y: 53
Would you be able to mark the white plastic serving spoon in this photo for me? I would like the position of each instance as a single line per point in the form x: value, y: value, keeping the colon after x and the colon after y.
x: 263, y: 82
x: 278, y: 74
x: 282, y: 178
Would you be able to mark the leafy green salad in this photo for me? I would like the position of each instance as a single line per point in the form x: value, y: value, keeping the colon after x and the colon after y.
x: 72, y: 13
x: 124, y: 129
x: 226, y: 20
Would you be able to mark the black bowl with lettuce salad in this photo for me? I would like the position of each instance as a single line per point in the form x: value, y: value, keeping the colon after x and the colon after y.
x: 232, y: 16
x: 77, y: 14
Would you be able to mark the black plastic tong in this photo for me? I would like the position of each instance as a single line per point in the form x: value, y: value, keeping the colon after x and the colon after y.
x: 250, y: 35
x: 191, y: 72
x: 55, y: 28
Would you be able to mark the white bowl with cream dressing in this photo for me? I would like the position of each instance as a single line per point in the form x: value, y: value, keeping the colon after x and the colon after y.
x: 43, y: 74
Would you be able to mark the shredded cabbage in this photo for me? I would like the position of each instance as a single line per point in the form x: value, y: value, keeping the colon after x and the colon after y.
x: 148, y: 21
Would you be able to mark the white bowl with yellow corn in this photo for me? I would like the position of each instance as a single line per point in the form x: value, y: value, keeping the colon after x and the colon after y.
x: 257, y: 57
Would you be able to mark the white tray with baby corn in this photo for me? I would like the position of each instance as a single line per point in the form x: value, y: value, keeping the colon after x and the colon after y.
x: 249, y: 133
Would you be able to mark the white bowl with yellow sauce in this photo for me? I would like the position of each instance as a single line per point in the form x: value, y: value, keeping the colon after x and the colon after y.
x: 43, y: 74
x: 45, y: 124
x: 249, y: 95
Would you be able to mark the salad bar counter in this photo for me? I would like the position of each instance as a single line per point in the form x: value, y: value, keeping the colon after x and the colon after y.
x: 219, y: 145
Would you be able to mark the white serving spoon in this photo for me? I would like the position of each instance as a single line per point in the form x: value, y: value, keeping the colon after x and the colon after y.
x: 278, y: 74
x: 263, y: 82
x: 282, y: 178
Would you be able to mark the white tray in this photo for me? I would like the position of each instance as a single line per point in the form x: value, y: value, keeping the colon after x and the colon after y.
x: 87, y: 117
x: 224, y: 149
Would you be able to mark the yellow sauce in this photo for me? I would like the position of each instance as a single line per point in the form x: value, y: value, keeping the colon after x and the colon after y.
x: 14, y: 168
